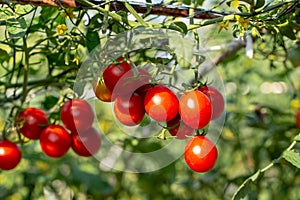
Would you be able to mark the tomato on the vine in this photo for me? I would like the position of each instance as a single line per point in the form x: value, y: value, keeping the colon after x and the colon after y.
x: 195, y: 109
x: 129, y: 110
x: 102, y: 92
x: 178, y: 128
x: 298, y: 118
x: 10, y: 155
x: 216, y: 99
x: 161, y: 103
x: 130, y: 82
x: 86, y: 143
x: 55, y: 141
x: 113, y: 73
x: 77, y: 115
x: 200, y: 154
x: 31, y: 122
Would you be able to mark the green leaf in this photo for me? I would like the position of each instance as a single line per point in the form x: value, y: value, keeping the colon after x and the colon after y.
x: 297, y: 138
x: 16, y: 27
x: 182, y: 26
x: 183, y: 48
x: 23, y: 9
x: 288, y: 31
x: 92, y: 40
x: 50, y: 101
x: 243, y: 190
x: 292, y: 157
x: 3, y: 55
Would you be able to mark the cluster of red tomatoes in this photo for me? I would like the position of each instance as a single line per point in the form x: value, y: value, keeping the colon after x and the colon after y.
x: 55, y: 140
x: 134, y: 96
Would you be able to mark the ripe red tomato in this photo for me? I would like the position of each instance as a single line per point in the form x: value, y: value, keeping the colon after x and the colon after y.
x: 77, y: 115
x: 178, y: 128
x: 113, y: 73
x: 200, y: 154
x: 10, y: 155
x: 86, y: 143
x: 195, y: 109
x: 102, y: 92
x: 55, y: 141
x: 129, y: 110
x: 298, y: 118
x: 161, y: 103
x: 130, y: 82
x: 31, y: 122
x: 216, y: 99
x: 142, y: 90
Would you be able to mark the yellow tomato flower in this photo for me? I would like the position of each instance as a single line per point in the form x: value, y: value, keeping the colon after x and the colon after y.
x: 61, y: 29
x: 223, y: 25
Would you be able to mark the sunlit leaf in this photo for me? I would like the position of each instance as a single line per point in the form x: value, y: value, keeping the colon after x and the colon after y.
x: 292, y: 157
x: 16, y: 27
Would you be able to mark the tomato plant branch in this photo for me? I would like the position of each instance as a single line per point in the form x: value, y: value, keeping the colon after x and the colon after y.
x: 26, y: 69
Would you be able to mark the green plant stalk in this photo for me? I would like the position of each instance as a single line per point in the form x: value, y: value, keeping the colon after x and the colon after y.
x: 210, y: 21
x: 135, y: 14
x: 115, y: 16
x: 26, y: 70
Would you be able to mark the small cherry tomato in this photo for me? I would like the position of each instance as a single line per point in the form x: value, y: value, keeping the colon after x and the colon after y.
x: 55, y: 141
x: 77, y: 115
x: 298, y: 118
x: 10, y: 155
x: 113, y: 73
x: 178, y: 128
x: 195, y: 109
x: 31, y: 122
x: 129, y: 110
x: 216, y: 99
x: 200, y: 154
x: 102, y: 92
x: 130, y: 82
x: 86, y: 143
x: 161, y: 103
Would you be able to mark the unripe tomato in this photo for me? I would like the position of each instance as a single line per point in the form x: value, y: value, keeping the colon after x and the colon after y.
x: 77, y: 115
x: 178, y: 128
x: 55, y: 141
x: 200, y: 154
x: 298, y: 118
x: 195, y: 109
x: 113, y: 73
x: 102, y: 92
x: 129, y: 110
x: 10, y: 155
x: 86, y: 143
x: 161, y: 103
x: 31, y: 122
x: 216, y: 99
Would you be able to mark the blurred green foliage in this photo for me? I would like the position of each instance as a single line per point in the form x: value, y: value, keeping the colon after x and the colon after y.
x: 262, y: 95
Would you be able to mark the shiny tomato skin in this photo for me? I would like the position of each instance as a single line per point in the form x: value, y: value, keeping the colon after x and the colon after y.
x: 102, y: 92
x: 195, y: 109
x: 31, y: 122
x: 143, y: 89
x: 131, y: 81
x: 77, y: 115
x: 298, y: 118
x: 200, y: 154
x: 113, y: 73
x: 161, y: 103
x: 129, y: 110
x: 216, y: 99
x: 178, y: 128
x: 55, y: 141
x: 10, y: 155
x: 86, y: 143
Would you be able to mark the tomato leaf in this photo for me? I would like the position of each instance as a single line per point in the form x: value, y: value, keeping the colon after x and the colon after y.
x: 16, y: 27
x: 292, y: 157
x: 297, y: 138
x: 243, y: 190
